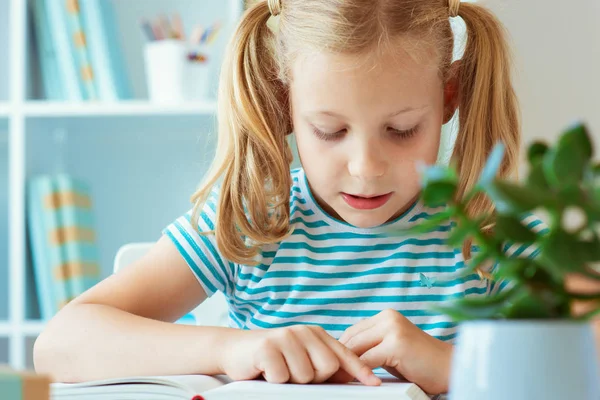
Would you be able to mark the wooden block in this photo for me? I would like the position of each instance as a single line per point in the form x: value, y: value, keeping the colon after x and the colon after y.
x: 23, y: 385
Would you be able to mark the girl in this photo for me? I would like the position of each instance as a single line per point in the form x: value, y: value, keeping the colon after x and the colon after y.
x: 315, y: 292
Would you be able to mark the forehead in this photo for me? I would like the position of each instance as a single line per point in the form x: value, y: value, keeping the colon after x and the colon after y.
x: 387, y: 76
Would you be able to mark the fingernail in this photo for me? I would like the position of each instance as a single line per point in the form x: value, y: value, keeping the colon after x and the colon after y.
x: 374, y: 380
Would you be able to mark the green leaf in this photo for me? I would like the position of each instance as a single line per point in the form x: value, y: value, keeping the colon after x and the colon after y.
x: 459, y: 233
x: 439, y: 185
x: 470, y: 308
x: 571, y: 194
x: 478, y: 259
x: 511, y: 228
x: 536, y: 152
x: 430, y: 224
x: 562, y: 254
x: 511, y: 198
x: 524, y: 270
x: 596, y: 169
x: 589, y: 250
x: 438, y: 193
x: 492, y: 165
x: 528, y: 304
x: 567, y: 162
x: 513, y: 269
x: 537, y: 179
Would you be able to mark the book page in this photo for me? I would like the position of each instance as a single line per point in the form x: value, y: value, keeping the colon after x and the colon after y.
x: 178, y: 384
x: 389, y: 390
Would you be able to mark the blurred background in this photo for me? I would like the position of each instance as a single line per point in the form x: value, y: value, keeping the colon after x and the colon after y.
x: 107, y: 125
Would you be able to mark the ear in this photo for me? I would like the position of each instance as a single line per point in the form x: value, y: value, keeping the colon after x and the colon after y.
x: 451, y: 92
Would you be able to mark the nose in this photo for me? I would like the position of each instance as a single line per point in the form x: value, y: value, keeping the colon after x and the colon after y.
x: 367, y: 161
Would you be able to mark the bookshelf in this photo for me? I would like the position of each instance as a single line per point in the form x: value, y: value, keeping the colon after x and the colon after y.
x: 37, y: 109
x: 142, y: 159
x: 4, y: 111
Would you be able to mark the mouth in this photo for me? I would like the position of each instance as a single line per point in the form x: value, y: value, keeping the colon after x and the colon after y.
x: 366, y: 202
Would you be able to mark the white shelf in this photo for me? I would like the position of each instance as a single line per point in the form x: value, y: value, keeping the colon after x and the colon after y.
x: 4, y: 110
x: 126, y: 108
x: 32, y: 328
x: 29, y: 328
x: 5, y: 329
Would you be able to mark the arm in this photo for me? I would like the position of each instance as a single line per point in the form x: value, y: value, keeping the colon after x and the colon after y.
x: 122, y: 326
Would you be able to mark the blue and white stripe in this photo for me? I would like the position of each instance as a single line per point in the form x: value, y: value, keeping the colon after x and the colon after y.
x: 331, y: 274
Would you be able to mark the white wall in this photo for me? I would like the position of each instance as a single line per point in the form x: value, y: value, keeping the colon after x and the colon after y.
x: 557, y: 62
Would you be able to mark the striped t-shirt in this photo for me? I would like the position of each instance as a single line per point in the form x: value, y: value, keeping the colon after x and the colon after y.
x: 332, y: 274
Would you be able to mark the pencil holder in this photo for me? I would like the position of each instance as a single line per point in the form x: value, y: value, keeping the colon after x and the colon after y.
x: 176, y: 71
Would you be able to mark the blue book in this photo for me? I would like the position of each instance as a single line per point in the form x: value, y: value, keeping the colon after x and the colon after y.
x: 102, y: 33
x: 45, y: 236
x: 65, y: 50
x: 79, y: 243
x: 82, y: 58
x: 51, y: 77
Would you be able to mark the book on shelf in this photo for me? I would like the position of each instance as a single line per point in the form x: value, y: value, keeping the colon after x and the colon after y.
x: 62, y: 240
x: 75, y: 27
x: 78, y: 234
x: 43, y: 225
x: 79, y: 50
x: 46, y: 51
x: 68, y: 73
x: 202, y: 387
x: 102, y: 34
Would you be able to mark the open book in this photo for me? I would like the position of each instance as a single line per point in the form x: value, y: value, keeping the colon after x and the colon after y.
x: 199, y: 387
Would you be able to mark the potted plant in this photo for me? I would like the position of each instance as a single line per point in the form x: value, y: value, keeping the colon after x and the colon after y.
x: 525, y: 342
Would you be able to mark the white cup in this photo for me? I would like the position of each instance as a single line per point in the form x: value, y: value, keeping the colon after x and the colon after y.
x: 172, y: 75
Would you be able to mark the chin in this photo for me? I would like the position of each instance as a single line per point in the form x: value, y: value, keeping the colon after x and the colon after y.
x: 365, y: 220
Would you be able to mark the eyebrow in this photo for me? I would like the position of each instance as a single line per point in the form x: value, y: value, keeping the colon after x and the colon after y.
x: 402, y: 111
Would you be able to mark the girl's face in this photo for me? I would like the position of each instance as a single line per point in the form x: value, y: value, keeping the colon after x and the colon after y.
x: 361, y: 131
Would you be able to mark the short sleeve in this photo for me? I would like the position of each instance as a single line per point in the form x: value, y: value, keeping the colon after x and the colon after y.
x: 518, y: 250
x: 200, y: 251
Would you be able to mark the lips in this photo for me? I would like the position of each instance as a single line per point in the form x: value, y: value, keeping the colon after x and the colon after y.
x: 365, y: 202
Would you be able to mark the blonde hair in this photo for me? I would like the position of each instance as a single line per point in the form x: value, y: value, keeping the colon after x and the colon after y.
x: 252, y: 161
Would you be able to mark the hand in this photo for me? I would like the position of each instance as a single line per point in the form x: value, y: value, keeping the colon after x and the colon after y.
x: 295, y: 354
x: 391, y: 341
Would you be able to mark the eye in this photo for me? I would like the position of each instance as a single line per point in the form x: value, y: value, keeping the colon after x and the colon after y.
x: 404, y: 134
x: 327, y: 136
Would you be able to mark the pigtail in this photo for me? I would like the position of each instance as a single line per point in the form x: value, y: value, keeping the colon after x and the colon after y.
x: 253, y: 157
x: 487, y: 106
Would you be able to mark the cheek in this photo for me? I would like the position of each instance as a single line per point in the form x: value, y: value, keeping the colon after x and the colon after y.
x: 311, y: 147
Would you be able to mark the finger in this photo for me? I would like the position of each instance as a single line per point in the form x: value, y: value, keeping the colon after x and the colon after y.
x: 324, y: 361
x: 368, y: 323
x: 350, y: 361
x: 341, y: 376
x: 357, y: 328
x: 366, y: 339
x: 274, y: 368
x: 298, y: 362
x: 376, y: 357
x: 394, y: 372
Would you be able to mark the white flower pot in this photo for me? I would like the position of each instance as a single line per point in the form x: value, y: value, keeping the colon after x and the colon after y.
x: 525, y: 360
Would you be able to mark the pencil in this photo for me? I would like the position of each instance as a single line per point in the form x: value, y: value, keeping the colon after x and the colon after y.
x: 205, y: 35
x: 196, y: 34
x: 147, y: 30
x: 214, y: 33
x: 178, y: 26
x: 158, y: 32
x: 163, y: 22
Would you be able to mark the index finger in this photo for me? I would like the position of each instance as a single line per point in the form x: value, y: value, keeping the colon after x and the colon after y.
x: 350, y: 362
